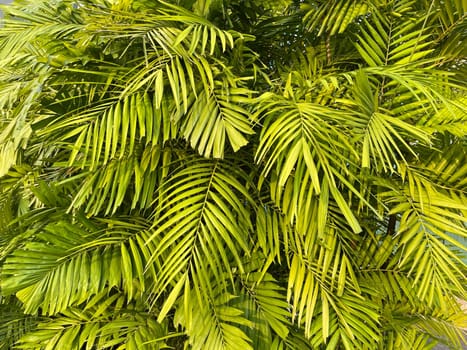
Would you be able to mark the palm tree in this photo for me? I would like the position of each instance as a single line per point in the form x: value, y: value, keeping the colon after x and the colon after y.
x: 232, y: 174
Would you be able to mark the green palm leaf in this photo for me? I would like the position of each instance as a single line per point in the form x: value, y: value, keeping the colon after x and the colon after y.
x: 199, y: 235
x: 291, y: 139
x: 216, y: 326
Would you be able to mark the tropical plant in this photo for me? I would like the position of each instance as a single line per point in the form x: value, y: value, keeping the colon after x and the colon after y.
x: 232, y: 174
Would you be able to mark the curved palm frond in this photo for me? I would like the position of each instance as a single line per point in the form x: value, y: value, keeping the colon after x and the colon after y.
x: 291, y: 139
x: 333, y: 17
x: 104, y: 323
x: 14, y: 322
x: 211, y: 239
x: 215, y: 323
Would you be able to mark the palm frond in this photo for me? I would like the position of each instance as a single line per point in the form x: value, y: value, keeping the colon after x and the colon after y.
x: 291, y: 140
x: 327, y: 317
x: 105, y: 322
x: 264, y: 303
x: 387, y: 40
x: 383, y: 135
x: 215, y: 324
x: 425, y: 216
x: 212, y: 236
x: 333, y: 17
x: 14, y: 323
x: 72, y: 258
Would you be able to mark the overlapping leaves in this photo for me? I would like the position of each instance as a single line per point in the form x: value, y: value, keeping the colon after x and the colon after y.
x: 231, y: 174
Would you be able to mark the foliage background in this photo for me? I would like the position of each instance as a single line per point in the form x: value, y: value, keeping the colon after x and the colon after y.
x: 232, y: 174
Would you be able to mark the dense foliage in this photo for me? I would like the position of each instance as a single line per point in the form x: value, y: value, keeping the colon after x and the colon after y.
x: 232, y: 174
